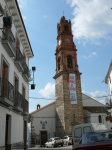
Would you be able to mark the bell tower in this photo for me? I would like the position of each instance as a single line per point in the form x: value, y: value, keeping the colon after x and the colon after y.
x: 69, y: 109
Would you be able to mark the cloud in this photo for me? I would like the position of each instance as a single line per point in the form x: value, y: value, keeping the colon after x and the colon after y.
x: 45, y: 16
x: 92, y: 20
x: 22, y: 3
x: 48, y: 91
x: 93, y: 54
x: 97, y: 95
x: 24, y: 17
x: 31, y: 110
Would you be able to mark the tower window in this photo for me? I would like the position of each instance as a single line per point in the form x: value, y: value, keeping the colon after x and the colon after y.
x: 100, y: 119
x: 59, y: 63
x: 69, y: 61
x: 66, y: 29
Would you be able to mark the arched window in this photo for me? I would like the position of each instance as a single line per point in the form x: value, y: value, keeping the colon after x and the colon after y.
x: 100, y: 119
x: 69, y: 61
x: 66, y: 29
x: 59, y: 63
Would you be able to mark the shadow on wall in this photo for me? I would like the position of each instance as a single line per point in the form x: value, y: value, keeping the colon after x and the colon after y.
x: 60, y: 131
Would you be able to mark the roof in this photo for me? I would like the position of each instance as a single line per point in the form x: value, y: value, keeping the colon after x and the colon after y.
x: 23, y: 25
x: 96, y: 109
x: 42, y: 108
x: 108, y: 73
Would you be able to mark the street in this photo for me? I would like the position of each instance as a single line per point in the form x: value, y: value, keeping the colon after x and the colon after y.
x: 55, y: 148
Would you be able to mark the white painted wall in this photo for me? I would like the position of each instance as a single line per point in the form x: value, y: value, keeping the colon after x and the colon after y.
x: 16, y: 126
x: 110, y: 84
x: 93, y: 118
x: 50, y: 126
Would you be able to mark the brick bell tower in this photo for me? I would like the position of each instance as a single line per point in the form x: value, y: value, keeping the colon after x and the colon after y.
x: 67, y: 113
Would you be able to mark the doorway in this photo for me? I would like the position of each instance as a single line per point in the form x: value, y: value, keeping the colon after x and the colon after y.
x: 25, y: 135
x: 8, y: 132
x: 43, y: 137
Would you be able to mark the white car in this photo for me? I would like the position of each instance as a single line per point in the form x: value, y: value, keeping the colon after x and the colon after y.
x: 52, y: 142
x: 67, y: 139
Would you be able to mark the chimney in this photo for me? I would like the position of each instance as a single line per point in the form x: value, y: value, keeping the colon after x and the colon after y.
x: 38, y: 106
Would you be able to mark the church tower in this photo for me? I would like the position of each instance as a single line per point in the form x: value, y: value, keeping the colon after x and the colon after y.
x: 69, y: 109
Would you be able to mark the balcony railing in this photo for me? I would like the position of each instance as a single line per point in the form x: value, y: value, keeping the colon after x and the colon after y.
x: 9, y: 42
x: 18, y: 98
x: 19, y: 60
x: 25, y: 105
x: 26, y: 72
x: 6, y: 90
x: 19, y: 56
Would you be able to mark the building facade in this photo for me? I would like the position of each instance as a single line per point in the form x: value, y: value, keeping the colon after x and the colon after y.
x: 108, y: 80
x: 15, y: 52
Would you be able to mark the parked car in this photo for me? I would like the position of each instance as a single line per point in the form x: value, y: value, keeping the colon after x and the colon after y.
x: 52, y: 142
x: 97, y: 140
x: 67, y: 139
x: 81, y: 129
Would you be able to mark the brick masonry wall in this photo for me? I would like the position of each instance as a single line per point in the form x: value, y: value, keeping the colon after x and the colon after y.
x: 64, y: 109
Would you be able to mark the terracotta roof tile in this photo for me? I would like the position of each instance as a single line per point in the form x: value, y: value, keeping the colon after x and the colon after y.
x: 42, y: 108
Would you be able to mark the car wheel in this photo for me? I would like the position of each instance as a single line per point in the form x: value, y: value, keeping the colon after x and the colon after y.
x: 52, y: 146
x: 61, y: 144
x: 46, y: 146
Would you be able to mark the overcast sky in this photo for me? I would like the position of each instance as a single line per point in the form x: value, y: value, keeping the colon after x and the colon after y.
x: 92, y: 30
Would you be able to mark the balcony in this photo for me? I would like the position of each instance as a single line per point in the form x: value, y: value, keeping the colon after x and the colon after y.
x: 18, y: 102
x: 25, y: 107
x: 8, y: 42
x: 6, y: 92
x: 27, y: 73
x: 19, y: 60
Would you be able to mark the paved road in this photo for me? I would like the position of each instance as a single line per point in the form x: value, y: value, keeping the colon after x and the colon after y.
x: 55, y: 148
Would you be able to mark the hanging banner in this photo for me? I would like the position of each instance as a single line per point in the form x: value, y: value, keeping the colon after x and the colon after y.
x: 72, y: 87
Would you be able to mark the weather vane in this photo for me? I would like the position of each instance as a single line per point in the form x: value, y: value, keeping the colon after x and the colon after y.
x: 63, y: 13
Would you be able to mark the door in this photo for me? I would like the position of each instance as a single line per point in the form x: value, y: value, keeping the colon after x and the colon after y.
x: 25, y: 134
x: 3, y: 79
x: 15, y: 89
x: 43, y: 137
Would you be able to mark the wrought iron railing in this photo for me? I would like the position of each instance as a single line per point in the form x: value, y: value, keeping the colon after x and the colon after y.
x: 18, y: 99
x: 6, y: 89
x: 25, y: 105
x: 27, y: 71
x: 10, y: 37
x: 19, y: 56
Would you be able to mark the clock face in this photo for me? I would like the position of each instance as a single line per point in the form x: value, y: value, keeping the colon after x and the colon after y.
x: 67, y: 40
x: 59, y: 42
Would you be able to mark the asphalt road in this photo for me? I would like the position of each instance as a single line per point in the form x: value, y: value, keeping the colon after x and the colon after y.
x: 55, y: 148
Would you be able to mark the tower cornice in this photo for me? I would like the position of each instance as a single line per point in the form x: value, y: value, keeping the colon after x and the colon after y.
x: 66, y: 72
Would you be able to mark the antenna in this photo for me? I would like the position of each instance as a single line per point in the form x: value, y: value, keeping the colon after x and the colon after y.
x: 57, y: 15
x: 63, y: 13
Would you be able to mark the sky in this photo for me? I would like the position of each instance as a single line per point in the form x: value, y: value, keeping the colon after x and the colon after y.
x: 92, y: 30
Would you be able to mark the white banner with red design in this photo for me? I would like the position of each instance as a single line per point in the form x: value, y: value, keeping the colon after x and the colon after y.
x: 72, y: 87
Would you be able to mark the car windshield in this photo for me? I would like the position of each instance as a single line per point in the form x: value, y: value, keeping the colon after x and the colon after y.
x: 70, y: 136
x: 96, y: 137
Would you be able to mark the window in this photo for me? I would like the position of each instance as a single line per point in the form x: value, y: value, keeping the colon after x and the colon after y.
x: 69, y: 61
x: 78, y: 132
x: 100, y: 119
x: 66, y: 29
x: 59, y: 63
x: 86, y: 129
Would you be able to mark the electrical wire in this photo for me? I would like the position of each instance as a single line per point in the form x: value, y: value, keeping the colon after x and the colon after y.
x: 69, y: 100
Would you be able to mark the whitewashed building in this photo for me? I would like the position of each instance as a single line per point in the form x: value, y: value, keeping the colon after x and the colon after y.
x: 108, y: 80
x: 43, y: 124
x: 15, y: 52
